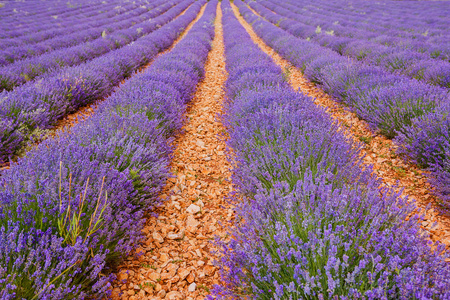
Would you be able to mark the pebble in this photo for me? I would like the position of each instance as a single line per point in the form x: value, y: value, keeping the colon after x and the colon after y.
x: 157, y: 237
x: 192, y: 287
x: 193, y: 209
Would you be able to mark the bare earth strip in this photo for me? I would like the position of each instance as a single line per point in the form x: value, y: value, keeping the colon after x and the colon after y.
x: 68, y: 121
x: 378, y: 150
x: 176, y: 260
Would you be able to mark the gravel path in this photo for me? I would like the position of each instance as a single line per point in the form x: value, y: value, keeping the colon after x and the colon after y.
x: 176, y: 260
x: 378, y: 150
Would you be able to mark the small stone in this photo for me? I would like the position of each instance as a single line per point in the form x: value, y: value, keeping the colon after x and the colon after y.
x: 164, y: 257
x: 209, y: 270
x: 174, y: 295
x: 193, y: 209
x: 183, y: 273
x: 175, y: 236
x: 200, y: 263
x: 200, y: 203
x: 174, y: 279
x: 190, y: 277
x: 191, y: 224
x: 154, y: 276
x: 200, y: 143
x: 136, y: 287
x: 172, y: 269
x: 157, y: 237
x: 192, y: 287
x: 161, y: 294
x: 166, y: 276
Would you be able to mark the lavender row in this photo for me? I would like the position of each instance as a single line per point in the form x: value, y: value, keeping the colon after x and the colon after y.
x: 424, y: 32
x: 101, y: 177
x: 311, y: 223
x: 32, y: 107
x: 53, y: 39
x: 15, y: 28
x: 26, y: 70
x: 413, y: 112
x: 409, y: 63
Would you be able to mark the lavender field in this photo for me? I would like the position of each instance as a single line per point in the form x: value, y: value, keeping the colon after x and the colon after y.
x: 206, y: 149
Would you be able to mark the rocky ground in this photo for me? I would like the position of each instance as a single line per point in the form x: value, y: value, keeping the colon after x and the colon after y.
x: 176, y: 258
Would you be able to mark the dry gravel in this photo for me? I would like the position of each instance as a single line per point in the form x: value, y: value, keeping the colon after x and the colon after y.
x: 378, y: 150
x: 176, y: 257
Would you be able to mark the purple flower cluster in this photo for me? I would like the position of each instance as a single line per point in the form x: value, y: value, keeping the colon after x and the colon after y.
x: 313, y: 223
x: 74, y: 205
x: 26, y: 70
x: 393, y: 59
x: 37, y: 105
x: 53, y: 39
x: 393, y: 104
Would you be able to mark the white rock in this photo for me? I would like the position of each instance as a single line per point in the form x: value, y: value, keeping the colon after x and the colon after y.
x: 192, y: 287
x: 191, y: 223
x: 200, y: 263
x: 193, y: 209
x: 175, y: 236
x: 200, y: 143
x: 157, y: 237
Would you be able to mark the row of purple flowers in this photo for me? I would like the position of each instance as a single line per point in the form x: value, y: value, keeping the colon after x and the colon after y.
x: 312, y: 222
x: 74, y: 206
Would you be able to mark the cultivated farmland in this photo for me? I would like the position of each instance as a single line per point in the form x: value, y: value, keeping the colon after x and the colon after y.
x: 246, y: 149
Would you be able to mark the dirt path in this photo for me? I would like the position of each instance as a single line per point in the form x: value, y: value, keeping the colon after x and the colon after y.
x: 378, y: 150
x: 176, y: 260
